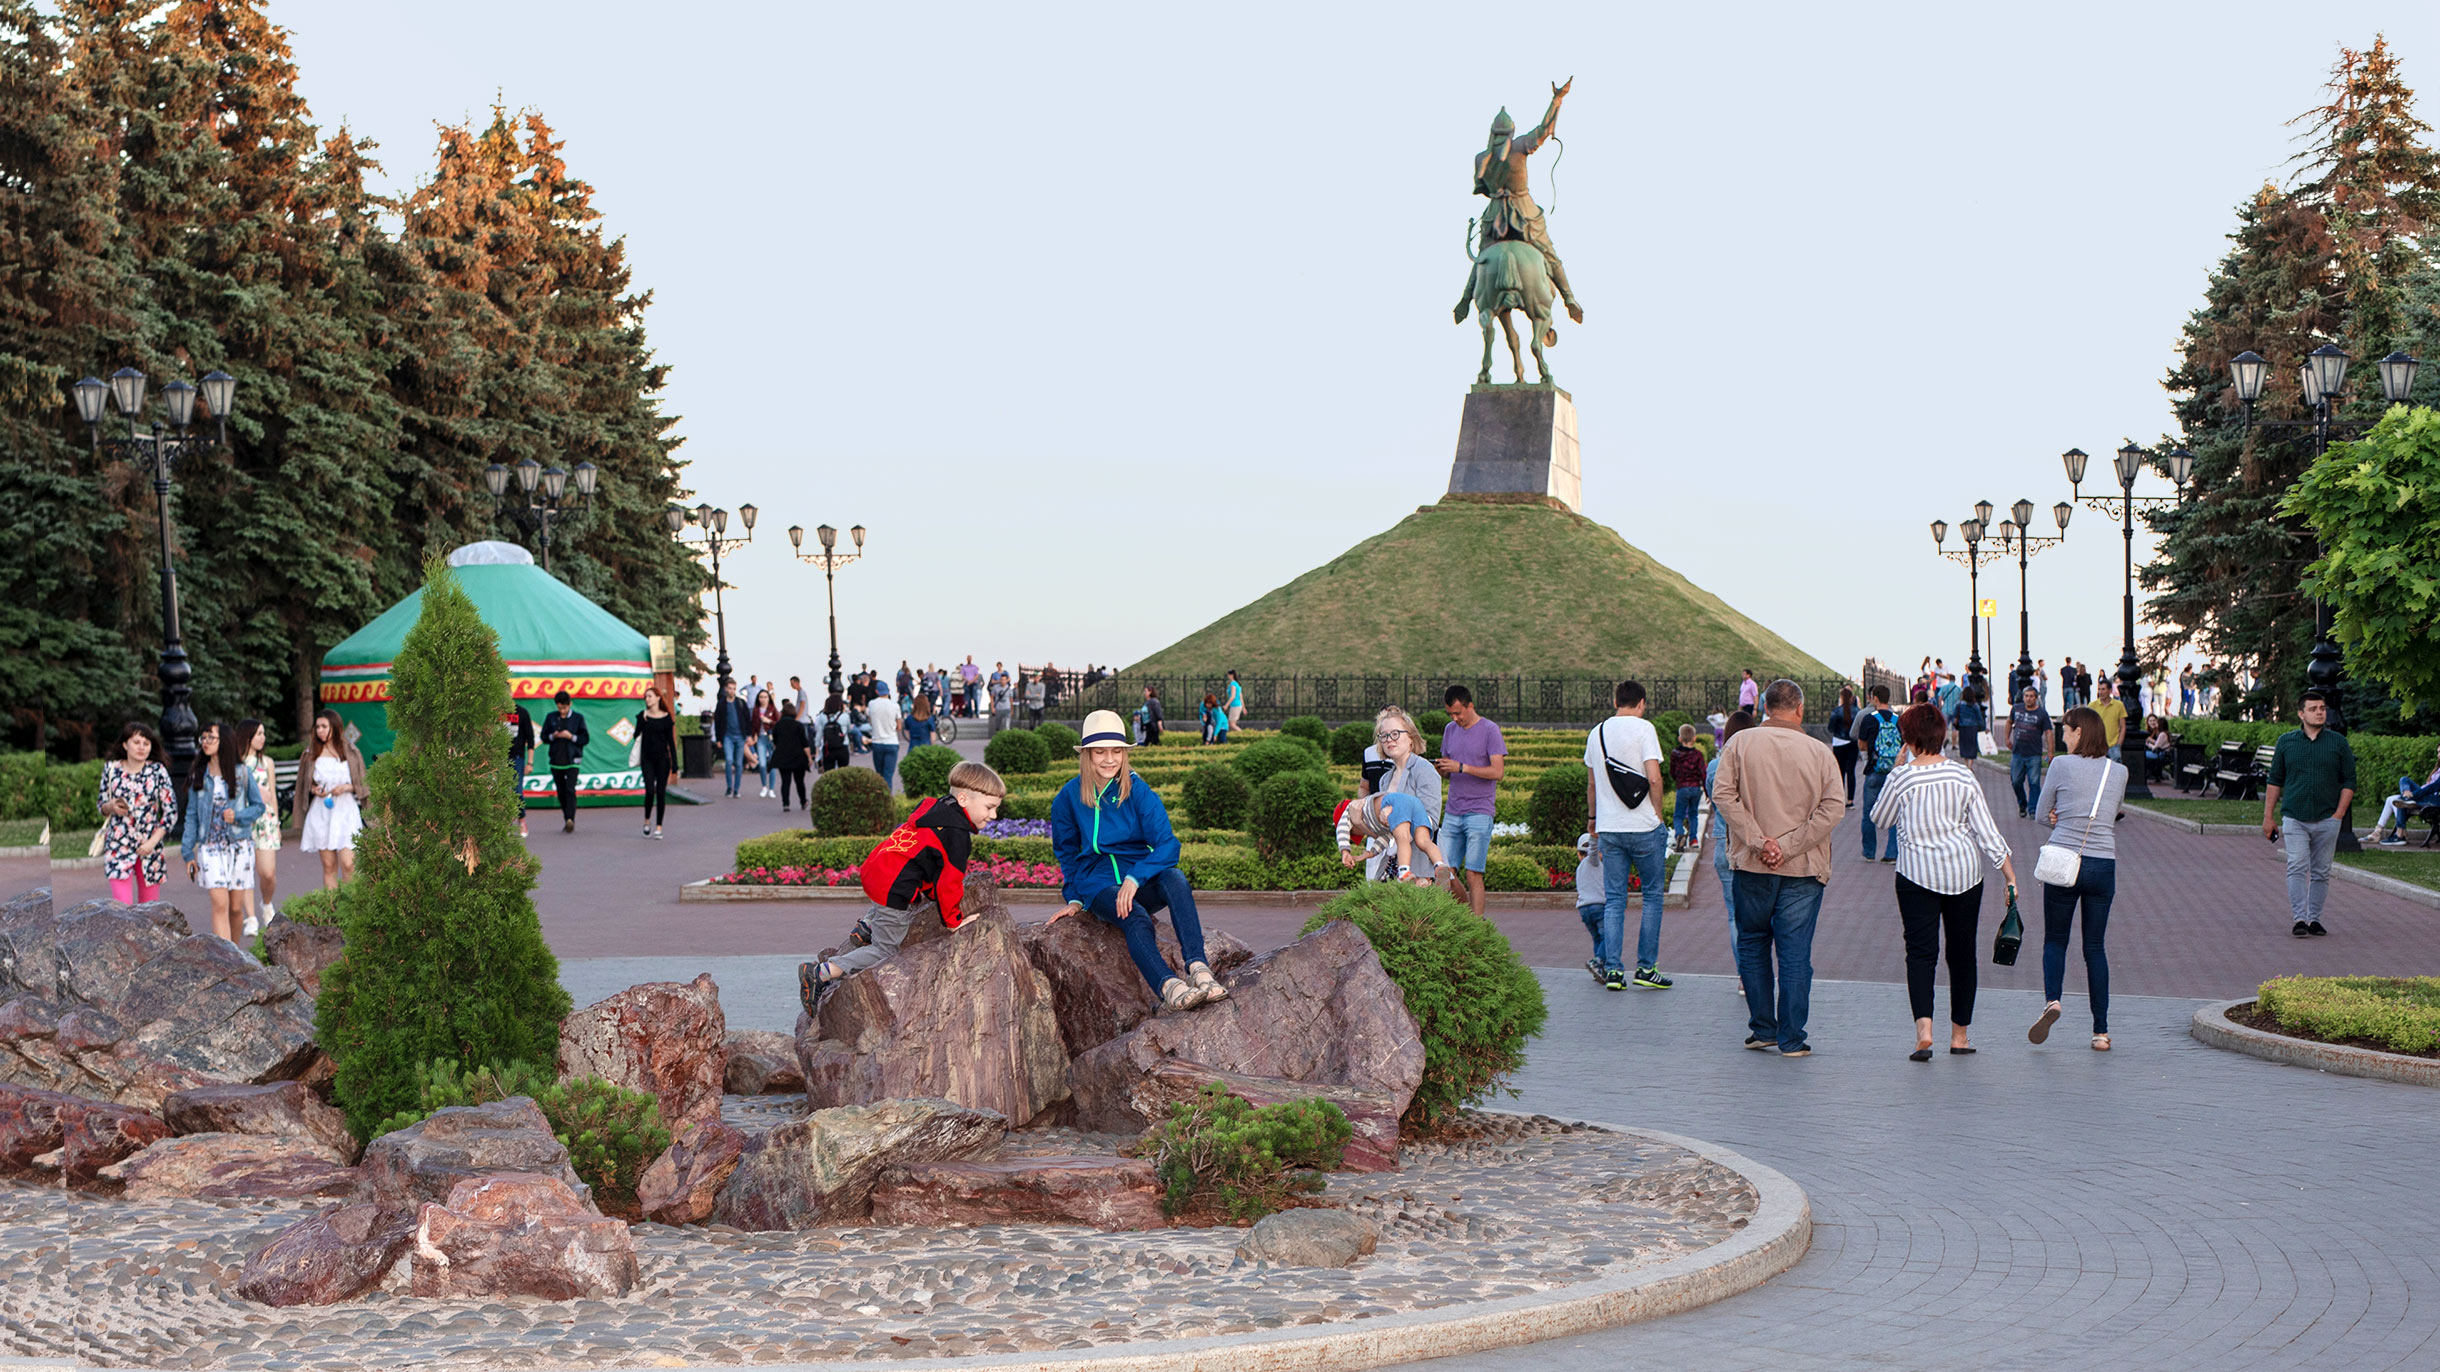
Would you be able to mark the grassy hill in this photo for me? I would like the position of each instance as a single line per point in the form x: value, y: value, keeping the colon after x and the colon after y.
x: 1463, y: 586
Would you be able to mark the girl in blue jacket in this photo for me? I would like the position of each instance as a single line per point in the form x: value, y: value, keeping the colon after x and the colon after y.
x: 1119, y: 857
x: 218, y: 843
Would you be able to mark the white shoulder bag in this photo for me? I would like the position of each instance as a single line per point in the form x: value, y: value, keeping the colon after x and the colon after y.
x: 2057, y: 866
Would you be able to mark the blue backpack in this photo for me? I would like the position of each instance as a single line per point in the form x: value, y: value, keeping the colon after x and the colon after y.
x: 1885, y: 742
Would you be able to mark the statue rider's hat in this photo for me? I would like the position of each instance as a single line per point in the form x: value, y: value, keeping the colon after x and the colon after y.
x: 1503, y: 126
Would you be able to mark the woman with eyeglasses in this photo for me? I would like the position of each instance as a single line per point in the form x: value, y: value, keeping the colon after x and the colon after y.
x: 1395, y: 764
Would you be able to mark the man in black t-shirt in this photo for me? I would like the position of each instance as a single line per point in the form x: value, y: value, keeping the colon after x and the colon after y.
x: 2028, y: 749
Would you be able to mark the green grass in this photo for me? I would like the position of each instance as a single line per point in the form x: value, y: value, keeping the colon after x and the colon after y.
x: 71, y: 845
x: 21, y: 833
x: 2367, y: 810
x: 2422, y: 867
x: 1542, y: 592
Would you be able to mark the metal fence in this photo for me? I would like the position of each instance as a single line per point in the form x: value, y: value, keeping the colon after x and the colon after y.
x: 1513, y: 698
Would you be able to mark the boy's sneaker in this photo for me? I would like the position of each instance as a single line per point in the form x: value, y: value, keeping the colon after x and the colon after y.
x: 1593, y: 965
x: 1795, y: 1052
x: 1615, y: 979
x: 1650, y: 979
x: 811, y: 986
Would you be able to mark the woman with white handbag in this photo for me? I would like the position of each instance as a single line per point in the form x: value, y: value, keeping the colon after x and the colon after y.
x: 2079, y: 865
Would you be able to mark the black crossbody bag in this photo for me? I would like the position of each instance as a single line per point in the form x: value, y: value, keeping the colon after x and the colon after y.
x: 1629, y: 784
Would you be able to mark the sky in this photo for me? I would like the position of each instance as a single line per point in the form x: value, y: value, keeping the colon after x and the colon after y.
x: 1105, y: 320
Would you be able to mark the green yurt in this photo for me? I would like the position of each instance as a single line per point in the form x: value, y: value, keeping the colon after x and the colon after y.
x: 553, y: 639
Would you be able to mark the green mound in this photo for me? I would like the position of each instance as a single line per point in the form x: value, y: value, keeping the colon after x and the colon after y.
x: 1465, y: 586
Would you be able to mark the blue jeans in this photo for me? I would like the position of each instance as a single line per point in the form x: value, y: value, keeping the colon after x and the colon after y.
x: 1465, y: 840
x: 1683, y: 822
x: 1643, y: 853
x: 1873, y: 782
x: 1728, y: 886
x: 1591, y: 915
x: 1168, y: 891
x: 2025, y: 778
x: 762, y: 760
x: 2096, y: 886
x: 885, y: 761
x: 1775, y: 914
x: 733, y: 751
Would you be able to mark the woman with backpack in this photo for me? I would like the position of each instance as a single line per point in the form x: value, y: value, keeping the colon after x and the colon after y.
x: 1877, y: 742
x: 831, y: 731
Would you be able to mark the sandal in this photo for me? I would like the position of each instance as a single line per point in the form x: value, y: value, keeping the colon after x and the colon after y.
x: 2041, y: 1027
x: 2101, y: 1043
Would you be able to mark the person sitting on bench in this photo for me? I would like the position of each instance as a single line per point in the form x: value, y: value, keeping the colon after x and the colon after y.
x: 2400, y: 809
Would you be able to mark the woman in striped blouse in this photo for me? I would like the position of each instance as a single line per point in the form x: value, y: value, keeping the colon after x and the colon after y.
x: 1945, y: 832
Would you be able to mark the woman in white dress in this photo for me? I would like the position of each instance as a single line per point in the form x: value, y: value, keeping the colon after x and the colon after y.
x: 266, y: 829
x: 330, y: 786
x: 218, y: 845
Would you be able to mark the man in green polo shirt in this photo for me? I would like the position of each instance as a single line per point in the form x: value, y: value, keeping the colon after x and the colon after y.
x: 2312, y: 784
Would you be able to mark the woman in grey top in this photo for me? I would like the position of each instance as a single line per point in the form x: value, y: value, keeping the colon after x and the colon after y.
x: 1396, y: 757
x: 2080, y: 798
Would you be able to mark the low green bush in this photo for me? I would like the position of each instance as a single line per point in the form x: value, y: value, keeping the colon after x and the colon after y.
x: 2400, y: 1014
x: 1214, y: 867
x: 1666, y: 725
x: 1512, y: 871
x: 1060, y: 739
x: 1314, y: 872
x: 924, y: 771
x: 1310, y: 728
x: 1290, y: 815
x: 1556, y: 809
x: 315, y: 907
x: 1475, y: 1002
x: 1217, y: 796
x: 1017, y: 752
x: 1429, y: 724
x: 1259, y: 762
x: 851, y: 800
x: 611, y: 1133
x: 1243, y: 1160
x: 1348, y: 742
x: 32, y: 786
x: 802, y: 848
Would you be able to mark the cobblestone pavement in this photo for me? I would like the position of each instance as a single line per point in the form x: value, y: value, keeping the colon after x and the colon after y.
x: 1518, y: 1207
x: 2161, y: 1206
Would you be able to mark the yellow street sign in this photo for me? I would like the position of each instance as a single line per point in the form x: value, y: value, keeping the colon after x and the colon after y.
x: 1990, y: 609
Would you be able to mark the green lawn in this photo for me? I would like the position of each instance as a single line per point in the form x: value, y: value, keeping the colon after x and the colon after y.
x: 21, y: 833
x: 70, y: 845
x: 2420, y: 866
x: 2367, y: 810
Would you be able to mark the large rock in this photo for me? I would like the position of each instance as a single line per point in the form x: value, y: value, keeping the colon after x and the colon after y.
x: 665, y: 1038
x: 963, y: 1018
x: 305, y: 950
x: 1320, y: 1010
x: 821, y: 1169
x: 242, y: 1166
x: 1111, y: 1193
x: 425, y: 1161
x: 1310, y: 1238
x: 334, y: 1256
x: 278, y: 1109
x: 1096, y: 991
x: 137, y: 1007
x: 763, y: 1060
x: 94, y: 1134
x: 683, y: 1184
x: 520, y: 1235
x: 1372, y: 1116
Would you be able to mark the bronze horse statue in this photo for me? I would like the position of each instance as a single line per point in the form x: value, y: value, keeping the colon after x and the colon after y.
x: 1510, y: 275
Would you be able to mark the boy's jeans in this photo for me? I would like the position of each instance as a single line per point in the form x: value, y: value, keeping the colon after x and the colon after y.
x: 1642, y: 853
x: 2025, y: 778
x: 1873, y: 782
x: 2309, y: 848
x: 1683, y: 822
x: 1775, y: 914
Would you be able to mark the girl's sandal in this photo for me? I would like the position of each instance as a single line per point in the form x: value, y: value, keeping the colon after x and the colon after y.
x: 2101, y: 1043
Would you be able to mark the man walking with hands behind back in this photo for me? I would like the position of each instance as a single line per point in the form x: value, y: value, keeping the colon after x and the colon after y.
x: 1779, y: 793
x: 2312, y: 784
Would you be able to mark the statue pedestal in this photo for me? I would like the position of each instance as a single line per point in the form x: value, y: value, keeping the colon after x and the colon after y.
x: 1518, y: 442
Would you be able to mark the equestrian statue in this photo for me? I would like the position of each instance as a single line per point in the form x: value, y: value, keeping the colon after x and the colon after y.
x: 1515, y: 266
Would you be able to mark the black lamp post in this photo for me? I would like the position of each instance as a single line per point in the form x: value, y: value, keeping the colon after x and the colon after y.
x: 163, y: 453
x: 2015, y: 534
x: 830, y: 560
x: 1973, y: 557
x: 542, y: 494
x: 715, y: 526
x: 2122, y: 507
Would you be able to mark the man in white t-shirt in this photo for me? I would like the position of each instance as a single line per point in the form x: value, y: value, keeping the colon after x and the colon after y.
x: 883, y: 716
x: 1627, y: 838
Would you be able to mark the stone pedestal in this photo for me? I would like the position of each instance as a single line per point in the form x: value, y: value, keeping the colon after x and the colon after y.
x: 1519, y: 442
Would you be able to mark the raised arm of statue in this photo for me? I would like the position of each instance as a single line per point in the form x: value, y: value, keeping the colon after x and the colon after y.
x: 1533, y: 137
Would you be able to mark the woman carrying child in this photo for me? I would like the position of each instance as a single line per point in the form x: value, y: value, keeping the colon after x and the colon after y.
x: 1395, y: 762
x: 1119, y: 857
x: 1391, y: 818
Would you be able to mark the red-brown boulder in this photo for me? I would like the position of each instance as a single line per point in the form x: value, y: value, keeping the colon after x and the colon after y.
x: 334, y: 1256
x: 1096, y: 992
x: 306, y: 951
x: 682, y: 1185
x: 519, y: 1235
x: 279, y: 1109
x: 665, y: 1038
x: 242, y: 1166
x: 425, y: 1161
x: 821, y: 1169
x: 1110, y: 1193
x: 763, y: 1061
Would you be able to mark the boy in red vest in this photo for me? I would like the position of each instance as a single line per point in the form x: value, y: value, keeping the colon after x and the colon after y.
x: 921, y: 864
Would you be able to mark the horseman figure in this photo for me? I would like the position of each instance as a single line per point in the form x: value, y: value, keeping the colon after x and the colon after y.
x: 1515, y: 268
x: 1499, y: 174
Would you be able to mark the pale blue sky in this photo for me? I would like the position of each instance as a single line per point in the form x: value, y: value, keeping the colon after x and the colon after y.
x: 1105, y: 320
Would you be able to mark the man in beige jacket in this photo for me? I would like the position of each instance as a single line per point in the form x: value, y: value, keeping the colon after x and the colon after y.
x: 1780, y: 795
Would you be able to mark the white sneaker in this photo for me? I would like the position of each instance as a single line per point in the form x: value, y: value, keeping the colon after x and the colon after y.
x: 270, y: 912
x: 254, y: 925
x: 648, y: 831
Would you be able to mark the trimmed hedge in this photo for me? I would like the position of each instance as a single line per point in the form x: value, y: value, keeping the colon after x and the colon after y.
x: 851, y: 800
x: 1429, y: 724
x: 1017, y: 752
x: 1290, y: 816
x: 1556, y: 808
x: 1216, y: 796
x: 2380, y: 759
x: 802, y: 848
x: 1348, y: 742
x: 924, y: 771
x: 1260, y: 762
x: 1060, y: 739
x: 1310, y: 728
x: 32, y: 786
x: 2400, y: 1014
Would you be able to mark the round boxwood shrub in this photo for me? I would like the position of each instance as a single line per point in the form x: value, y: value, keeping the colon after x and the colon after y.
x: 1666, y: 725
x: 1475, y: 1002
x: 1264, y: 759
x: 1290, y: 816
x: 1059, y: 738
x: 1308, y: 727
x: 1017, y: 752
x: 1216, y: 796
x: 851, y: 800
x: 1429, y: 724
x: 924, y: 771
x: 1556, y: 810
x: 1348, y: 742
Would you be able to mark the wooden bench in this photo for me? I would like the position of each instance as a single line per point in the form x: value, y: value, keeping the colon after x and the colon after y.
x: 2244, y: 782
x: 2197, y: 773
x: 284, y: 785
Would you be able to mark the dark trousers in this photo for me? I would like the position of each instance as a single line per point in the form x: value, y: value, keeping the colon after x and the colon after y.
x: 2096, y: 886
x: 1845, y: 753
x: 791, y: 776
x: 656, y: 789
x: 1928, y: 915
x: 1168, y: 891
x: 565, y: 779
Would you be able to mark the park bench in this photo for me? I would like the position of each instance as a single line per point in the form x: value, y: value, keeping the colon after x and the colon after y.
x: 2196, y: 768
x: 2244, y: 782
x: 284, y: 785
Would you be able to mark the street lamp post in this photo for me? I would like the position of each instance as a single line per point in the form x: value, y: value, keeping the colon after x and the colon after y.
x: 126, y: 389
x: 2016, y: 534
x: 1973, y: 557
x: 830, y: 560
x: 715, y: 526
x: 540, y: 492
x: 2122, y: 507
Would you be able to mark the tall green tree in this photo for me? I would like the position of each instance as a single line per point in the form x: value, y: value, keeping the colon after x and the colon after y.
x: 2375, y: 507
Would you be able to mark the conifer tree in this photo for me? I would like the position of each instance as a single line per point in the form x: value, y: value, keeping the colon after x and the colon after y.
x: 445, y: 956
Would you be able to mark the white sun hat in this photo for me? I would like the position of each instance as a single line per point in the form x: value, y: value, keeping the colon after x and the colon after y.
x: 1104, y: 729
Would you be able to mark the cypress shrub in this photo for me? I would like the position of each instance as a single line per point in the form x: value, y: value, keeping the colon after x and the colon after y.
x: 1290, y: 815
x: 1242, y: 1160
x: 1429, y: 724
x: 1348, y: 742
x: 1309, y: 727
x: 850, y: 800
x: 1264, y: 759
x: 1059, y: 738
x: 1216, y: 796
x: 1475, y: 1002
x: 445, y: 956
x: 924, y: 771
x: 1556, y: 810
x: 1017, y: 752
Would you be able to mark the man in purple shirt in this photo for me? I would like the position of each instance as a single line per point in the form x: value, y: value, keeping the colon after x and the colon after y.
x: 1473, y: 756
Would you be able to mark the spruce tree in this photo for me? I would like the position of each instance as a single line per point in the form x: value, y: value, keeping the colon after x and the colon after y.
x: 445, y: 956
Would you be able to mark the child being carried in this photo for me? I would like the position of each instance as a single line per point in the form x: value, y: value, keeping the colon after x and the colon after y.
x: 1392, y: 818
